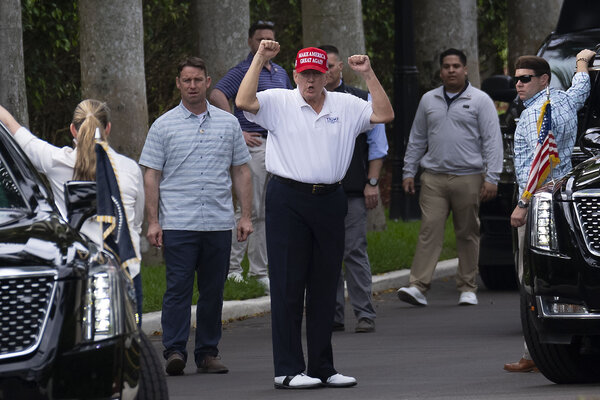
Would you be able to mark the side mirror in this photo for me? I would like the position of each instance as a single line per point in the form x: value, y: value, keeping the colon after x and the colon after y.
x: 590, y: 142
x: 80, y: 201
x: 500, y: 88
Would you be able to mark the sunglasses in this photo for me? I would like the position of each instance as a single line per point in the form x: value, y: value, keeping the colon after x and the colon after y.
x: 265, y: 23
x: 524, y: 78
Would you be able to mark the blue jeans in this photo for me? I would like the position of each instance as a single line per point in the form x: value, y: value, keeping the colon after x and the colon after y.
x: 205, y: 254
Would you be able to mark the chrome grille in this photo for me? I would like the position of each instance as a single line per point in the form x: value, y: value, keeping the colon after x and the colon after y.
x: 25, y: 300
x: 587, y: 207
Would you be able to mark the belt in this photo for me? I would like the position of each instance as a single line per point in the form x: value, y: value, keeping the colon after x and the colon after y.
x: 312, y: 188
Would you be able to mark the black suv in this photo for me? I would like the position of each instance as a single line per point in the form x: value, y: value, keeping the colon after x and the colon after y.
x: 560, y: 291
x: 67, y: 325
x: 577, y: 29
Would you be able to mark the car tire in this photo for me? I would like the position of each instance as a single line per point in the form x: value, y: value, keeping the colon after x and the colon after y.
x: 498, y: 277
x: 153, y: 383
x: 560, y: 363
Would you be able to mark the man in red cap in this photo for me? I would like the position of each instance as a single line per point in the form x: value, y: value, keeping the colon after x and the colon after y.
x: 309, y: 147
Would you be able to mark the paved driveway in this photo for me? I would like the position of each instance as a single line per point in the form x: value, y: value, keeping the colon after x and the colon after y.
x: 442, y: 351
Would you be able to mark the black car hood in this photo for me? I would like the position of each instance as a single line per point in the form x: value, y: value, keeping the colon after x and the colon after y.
x: 42, y: 240
x: 585, y: 176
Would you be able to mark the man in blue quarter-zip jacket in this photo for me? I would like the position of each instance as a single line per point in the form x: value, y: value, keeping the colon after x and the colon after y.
x: 456, y: 139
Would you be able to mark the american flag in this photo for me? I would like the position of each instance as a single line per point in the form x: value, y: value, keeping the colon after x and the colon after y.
x: 545, y: 156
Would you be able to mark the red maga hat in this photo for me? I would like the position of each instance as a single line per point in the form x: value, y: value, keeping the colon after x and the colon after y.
x: 311, y: 58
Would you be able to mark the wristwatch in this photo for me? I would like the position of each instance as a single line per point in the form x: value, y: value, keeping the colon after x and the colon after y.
x: 373, y: 181
x: 522, y: 204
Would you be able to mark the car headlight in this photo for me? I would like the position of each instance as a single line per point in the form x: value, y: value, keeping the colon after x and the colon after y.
x: 543, y: 228
x: 101, y: 312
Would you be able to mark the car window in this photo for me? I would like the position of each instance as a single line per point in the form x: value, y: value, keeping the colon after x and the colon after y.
x: 560, y: 53
x: 10, y: 196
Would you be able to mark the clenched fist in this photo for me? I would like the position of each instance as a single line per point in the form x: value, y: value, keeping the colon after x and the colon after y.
x: 268, y: 48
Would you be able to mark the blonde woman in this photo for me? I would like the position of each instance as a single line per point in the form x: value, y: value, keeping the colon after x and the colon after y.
x: 79, y: 163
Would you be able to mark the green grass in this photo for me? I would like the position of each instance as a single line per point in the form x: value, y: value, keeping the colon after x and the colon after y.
x: 394, y: 248
x: 154, y: 286
x: 390, y: 250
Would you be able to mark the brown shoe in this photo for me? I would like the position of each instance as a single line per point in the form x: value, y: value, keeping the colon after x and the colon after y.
x: 175, y: 364
x: 523, y: 365
x: 212, y: 365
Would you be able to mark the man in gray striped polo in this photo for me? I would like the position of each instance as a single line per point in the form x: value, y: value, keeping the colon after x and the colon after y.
x: 188, y: 154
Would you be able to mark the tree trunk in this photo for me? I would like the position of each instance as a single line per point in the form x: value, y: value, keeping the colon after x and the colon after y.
x: 439, y: 25
x: 529, y: 22
x: 221, y: 31
x: 12, y: 71
x: 112, y: 67
x: 338, y: 23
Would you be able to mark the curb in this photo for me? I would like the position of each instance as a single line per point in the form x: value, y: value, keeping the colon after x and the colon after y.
x: 235, y: 309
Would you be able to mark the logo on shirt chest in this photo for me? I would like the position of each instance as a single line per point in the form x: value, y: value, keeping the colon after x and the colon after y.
x: 333, y: 120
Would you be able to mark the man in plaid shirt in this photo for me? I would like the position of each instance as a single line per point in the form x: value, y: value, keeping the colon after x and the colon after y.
x: 532, y: 75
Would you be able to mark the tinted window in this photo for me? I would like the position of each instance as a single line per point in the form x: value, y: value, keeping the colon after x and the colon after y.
x: 560, y: 53
x: 10, y: 196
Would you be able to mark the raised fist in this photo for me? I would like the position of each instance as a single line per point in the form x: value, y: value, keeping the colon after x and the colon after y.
x: 268, y: 48
x: 359, y: 63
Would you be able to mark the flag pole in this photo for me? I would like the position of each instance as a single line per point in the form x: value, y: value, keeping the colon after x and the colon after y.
x: 551, y: 163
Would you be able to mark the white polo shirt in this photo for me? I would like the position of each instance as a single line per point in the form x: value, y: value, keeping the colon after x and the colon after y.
x: 305, y: 146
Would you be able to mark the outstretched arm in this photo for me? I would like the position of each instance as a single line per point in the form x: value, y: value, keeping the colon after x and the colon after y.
x: 382, y: 108
x: 9, y: 121
x: 246, y: 97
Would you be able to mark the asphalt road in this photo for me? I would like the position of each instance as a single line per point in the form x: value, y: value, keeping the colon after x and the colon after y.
x: 442, y: 351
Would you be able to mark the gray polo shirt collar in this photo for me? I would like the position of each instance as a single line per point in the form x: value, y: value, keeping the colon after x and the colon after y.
x: 188, y: 114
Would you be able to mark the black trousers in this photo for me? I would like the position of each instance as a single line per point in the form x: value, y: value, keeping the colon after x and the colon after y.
x: 305, y: 246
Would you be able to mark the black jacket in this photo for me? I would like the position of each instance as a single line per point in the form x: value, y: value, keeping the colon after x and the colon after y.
x: 356, y: 176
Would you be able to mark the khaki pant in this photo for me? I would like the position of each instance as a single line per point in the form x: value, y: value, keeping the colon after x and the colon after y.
x: 520, y: 244
x: 440, y: 194
x: 256, y: 245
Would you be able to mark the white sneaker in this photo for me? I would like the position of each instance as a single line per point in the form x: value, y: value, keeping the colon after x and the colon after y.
x: 467, y: 299
x: 412, y: 295
x: 264, y: 281
x: 235, y: 276
x: 339, y: 380
x: 300, y: 381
